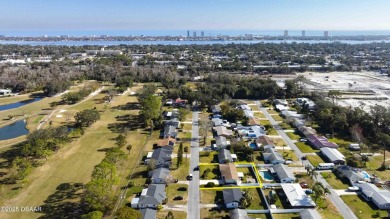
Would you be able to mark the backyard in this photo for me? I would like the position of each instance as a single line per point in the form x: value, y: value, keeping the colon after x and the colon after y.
x: 361, y: 208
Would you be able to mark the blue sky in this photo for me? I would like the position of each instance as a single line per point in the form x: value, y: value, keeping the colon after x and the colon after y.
x: 37, y: 15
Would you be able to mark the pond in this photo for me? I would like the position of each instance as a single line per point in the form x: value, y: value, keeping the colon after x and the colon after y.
x: 18, y: 104
x: 14, y: 130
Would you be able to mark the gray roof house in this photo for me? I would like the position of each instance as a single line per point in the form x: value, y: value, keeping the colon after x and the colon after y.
x: 352, y: 174
x: 159, y: 175
x: 162, y: 157
x: 333, y: 155
x: 271, y: 155
x: 284, y: 173
x: 148, y: 213
x: 380, y: 197
x: 151, y: 197
x: 232, y: 197
x: 217, y: 121
x: 224, y: 156
x: 169, y: 131
x: 221, y: 142
x: 238, y: 214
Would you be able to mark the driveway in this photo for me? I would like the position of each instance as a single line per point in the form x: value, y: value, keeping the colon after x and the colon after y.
x: 193, y: 188
x: 343, y: 209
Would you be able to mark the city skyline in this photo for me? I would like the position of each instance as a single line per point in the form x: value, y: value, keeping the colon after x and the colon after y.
x: 88, y: 15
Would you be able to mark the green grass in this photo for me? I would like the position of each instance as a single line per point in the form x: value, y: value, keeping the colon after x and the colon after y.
x: 37, y: 119
x: 210, y: 196
x: 277, y: 117
x: 305, y: 148
x: 207, y: 157
x: 207, y: 213
x: 288, y: 154
x: 328, y: 210
x: 360, y: 207
x: 286, y: 216
x: 272, y: 131
x: 182, y: 172
x: 334, y: 181
x: 315, y: 160
x: 341, y: 142
x: 256, y: 202
x: 259, y: 114
x: 213, y: 174
x: 293, y: 136
x: 187, y: 126
x: 284, y: 125
x: 176, y: 214
x: 173, y: 191
x: 265, y: 122
x: 271, y: 111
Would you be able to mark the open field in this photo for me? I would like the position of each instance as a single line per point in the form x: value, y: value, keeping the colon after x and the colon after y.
x: 14, y: 99
x: 361, y: 208
x: 81, y: 155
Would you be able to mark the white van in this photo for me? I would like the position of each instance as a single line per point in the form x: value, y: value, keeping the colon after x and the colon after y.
x: 325, y: 166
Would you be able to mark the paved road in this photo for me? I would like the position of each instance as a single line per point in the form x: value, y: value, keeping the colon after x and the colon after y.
x: 193, y: 189
x: 344, y: 210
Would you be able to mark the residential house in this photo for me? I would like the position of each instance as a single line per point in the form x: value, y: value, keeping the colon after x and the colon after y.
x: 284, y: 173
x: 320, y: 142
x: 253, y: 131
x: 290, y: 115
x: 353, y: 175
x: 248, y: 113
x: 166, y: 142
x: 221, y: 142
x: 179, y: 103
x: 265, y: 141
x: 280, y: 107
x: 245, y: 107
x: 232, y: 198
x: 306, y: 102
x: 333, y: 155
x: 148, y: 213
x: 224, y: 156
x: 217, y: 122
x: 151, y: 197
x: 307, y: 131
x: 238, y: 214
x: 169, y: 131
x: 161, y: 157
x: 380, y: 197
x: 5, y: 92
x: 223, y: 131
x: 216, y: 109
x: 229, y: 173
x: 309, y: 213
x: 297, y: 196
x: 271, y: 155
x: 280, y: 102
x: 159, y: 175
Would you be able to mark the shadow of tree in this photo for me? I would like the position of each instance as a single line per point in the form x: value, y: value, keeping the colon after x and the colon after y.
x: 64, y: 203
x: 128, y: 106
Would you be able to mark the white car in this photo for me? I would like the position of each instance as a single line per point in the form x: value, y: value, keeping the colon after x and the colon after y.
x: 353, y: 188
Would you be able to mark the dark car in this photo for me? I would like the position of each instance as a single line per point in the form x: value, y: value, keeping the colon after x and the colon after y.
x: 189, y: 177
x: 178, y: 198
x: 175, y: 180
x: 304, y: 185
x: 304, y: 158
x: 196, y: 168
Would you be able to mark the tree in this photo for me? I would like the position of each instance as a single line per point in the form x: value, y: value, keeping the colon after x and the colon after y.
x: 183, y: 113
x: 114, y: 155
x: 179, y: 156
x: 92, y: 215
x: 127, y: 213
x: 87, y: 117
x: 20, y: 168
x: 151, y: 110
x: 384, y: 140
x: 169, y: 215
x: 129, y: 147
x: 120, y: 141
x: 319, y: 191
x: 334, y: 94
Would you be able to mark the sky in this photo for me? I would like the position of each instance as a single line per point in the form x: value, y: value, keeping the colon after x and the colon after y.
x: 87, y: 15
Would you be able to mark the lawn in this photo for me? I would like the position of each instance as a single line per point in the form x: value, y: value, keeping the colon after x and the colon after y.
x: 207, y: 213
x: 374, y: 165
x: 305, y: 148
x: 361, y: 208
x: 211, y: 196
x: 265, y: 122
x: 334, y: 181
x: 176, y: 214
x: 213, y: 174
x: 272, y: 131
x: 187, y: 126
x: 341, y: 142
x: 182, y: 172
x: 258, y: 114
x: 265, y: 103
x: 293, y: 136
x: 208, y: 157
x: 272, y: 111
x: 328, y: 210
x: 277, y: 117
x: 258, y: 157
x: 256, y: 202
x: 286, y: 216
x: 174, y: 190
x: 288, y: 154
x: 279, y: 142
x: 315, y: 160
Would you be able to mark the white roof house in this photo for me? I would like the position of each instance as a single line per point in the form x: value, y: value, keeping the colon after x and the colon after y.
x: 333, y: 155
x: 284, y: 173
x: 381, y: 198
x: 297, y: 196
x: 310, y: 214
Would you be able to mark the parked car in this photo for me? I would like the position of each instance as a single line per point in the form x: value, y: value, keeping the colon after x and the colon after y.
x: 189, y: 177
x: 309, y: 191
x: 196, y: 168
x: 304, y: 158
x: 303, y: 140
x: 304, y: 185
x: 353, y: 188
x: 288, y: 161
x: 175, y: 180
x: 178, y: 198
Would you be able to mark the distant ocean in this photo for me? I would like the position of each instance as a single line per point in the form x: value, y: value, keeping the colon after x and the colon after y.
x: 198, y: 32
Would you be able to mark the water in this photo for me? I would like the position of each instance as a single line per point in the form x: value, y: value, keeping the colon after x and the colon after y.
x: 253, y: 145
x: 178, y: 43
x: 266, y: 175
x: 365, y: 175
x: 18, y: 104
x: 14, y: 130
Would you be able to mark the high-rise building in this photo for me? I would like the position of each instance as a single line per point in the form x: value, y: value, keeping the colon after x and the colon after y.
x: 188, y: 33
x: 202, y: 34
x: 303, y: 33
x: 286, y: 33
x: 194, y: 34
x: 326, y: 34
